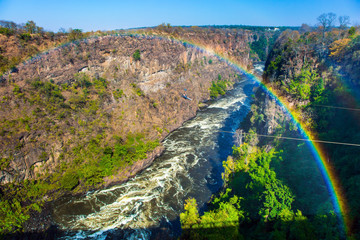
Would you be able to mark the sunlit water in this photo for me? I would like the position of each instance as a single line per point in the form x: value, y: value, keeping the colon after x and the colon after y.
x: 191, y: 166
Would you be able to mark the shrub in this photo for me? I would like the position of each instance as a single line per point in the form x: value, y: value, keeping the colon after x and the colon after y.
x: 137, y: 90
x: 218, y: 88
x: 25, y: 36
x: 69, y: 181
x: 6, y: 31
x: 136, y: 55
x: 352, y: 31
x: 44, y: 156
x: 118, y: 93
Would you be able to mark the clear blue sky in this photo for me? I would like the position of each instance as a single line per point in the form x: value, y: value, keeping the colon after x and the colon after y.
x: 115, y: 14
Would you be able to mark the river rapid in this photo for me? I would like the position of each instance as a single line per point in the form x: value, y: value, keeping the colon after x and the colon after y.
x: 190, y: 166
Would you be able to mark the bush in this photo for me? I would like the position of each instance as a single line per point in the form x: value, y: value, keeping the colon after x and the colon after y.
x: 51, y: 91
x: 136, y: 55
x: 137, y: 90
x: 218, y: 88
x: 11, y: 215
x: 6, y: 31
x: 75, y: 34
x: 118, y: 93
x: 352, y: 31
x: 69, y: 181
x: 25, y: 36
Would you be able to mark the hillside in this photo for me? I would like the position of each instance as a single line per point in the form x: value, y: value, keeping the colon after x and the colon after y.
x: 270, y: 190
x: 319, y: 75
x: 93, y: 112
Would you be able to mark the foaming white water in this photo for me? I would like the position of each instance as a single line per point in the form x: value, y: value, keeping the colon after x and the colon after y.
x: 226, y: 104
x: 158, y: 193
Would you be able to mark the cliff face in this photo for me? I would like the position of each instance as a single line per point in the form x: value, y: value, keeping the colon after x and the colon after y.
x: 97, y: 90
x: 229, y: 42
x: 293, y: 52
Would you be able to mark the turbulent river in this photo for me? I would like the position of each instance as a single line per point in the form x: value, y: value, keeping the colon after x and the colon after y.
x: 190, y: 166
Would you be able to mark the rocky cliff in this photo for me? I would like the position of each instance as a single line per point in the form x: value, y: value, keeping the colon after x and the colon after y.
x: 97, y: 90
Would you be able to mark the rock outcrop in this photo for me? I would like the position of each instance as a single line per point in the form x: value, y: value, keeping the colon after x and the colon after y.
x: 38, y: 126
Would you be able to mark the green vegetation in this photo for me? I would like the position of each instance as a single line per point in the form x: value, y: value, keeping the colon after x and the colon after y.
x: 262, y: 44
x: 92, y: 162
x: 70, y: 180
x: 260, y: 47
x: 75, y: 34
x: 88, y: 156
x: 255, y: 205
x: 318, y: 81
x: 265, y: 185
x: 218, y: 87
x: 13, y: 210
x: 118, y: 94
x: 306, y: 84
x: 136, y: 55
x: 352, y: 31
x: 137, y: 90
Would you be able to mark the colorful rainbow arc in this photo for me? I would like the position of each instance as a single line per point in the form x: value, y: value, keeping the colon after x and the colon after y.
x: 326, y: 169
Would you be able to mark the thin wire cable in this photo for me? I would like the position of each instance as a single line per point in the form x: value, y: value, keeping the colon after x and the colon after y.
x: 344, y: 108
x: 306, y: 140
x: 269, y: 136
x: 296, y: 139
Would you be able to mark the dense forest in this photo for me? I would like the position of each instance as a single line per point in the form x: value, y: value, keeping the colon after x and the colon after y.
x: 317, y: 71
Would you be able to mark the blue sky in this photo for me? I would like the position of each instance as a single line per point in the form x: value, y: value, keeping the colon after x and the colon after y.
x: 111, y: 14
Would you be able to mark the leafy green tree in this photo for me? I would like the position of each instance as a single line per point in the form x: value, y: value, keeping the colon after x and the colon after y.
x: 30, y: 27
x: 191, y: 215
x: 70, y: 180
x: 352, y: 31
x: 11, y: 215
x: 75, y: 34
x: 136, y: 55
x: 276, y: 198
x: 260, y: 47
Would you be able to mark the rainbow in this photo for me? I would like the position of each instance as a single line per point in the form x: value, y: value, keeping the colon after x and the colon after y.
x: 327, y: 170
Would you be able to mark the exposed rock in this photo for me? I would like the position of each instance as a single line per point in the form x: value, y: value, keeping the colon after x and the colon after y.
x: 165, y: 69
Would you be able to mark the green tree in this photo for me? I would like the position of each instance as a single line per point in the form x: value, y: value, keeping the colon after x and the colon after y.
x: 352, y: 31
x: 75, y: 34
x: 30, y: 27
x: 70, y: 180
x: 191, y: 215
x: 136, y: 55
x: 259, y: 47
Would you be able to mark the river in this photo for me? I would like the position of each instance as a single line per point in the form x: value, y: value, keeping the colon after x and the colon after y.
x: 190, y: 166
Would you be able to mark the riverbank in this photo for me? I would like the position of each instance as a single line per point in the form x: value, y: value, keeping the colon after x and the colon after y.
x: 42, y: 223
x: 190, y: 165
